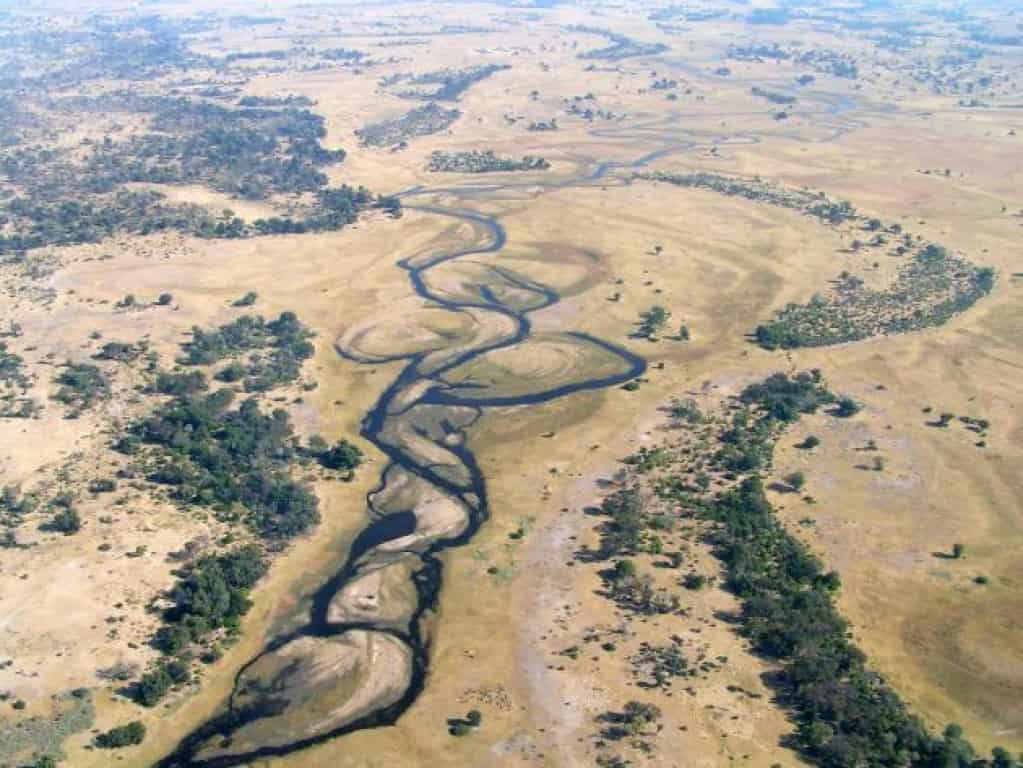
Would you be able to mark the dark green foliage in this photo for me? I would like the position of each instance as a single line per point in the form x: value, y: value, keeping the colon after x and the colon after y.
x: 164, y: 299
x: 647, y: 459
x: 180, y: 383
x: 211, y: 595
x: 276, y: 101
x: 624, y: 569
x: 82, y: 385
x: 483, y: 162
x: 928, y: 290
x: 248, y: 153
x: 12, y: 369
x: 694, y: 581
x: 344, y: 455
x: 846, y: 715
x: 283, y: 346
x: 847, y: 407
x: 15, y: 383
x: 652, y: 321
x: 624, y: 533
x: 773, y: 96
x: 779, y: 336
x: 785, y: 398
x: 155, y: 684
x: 686, y: 411
x: 127, y: 735
x: 232, y: 372
x: 214, y: 456
x: 82, y: 195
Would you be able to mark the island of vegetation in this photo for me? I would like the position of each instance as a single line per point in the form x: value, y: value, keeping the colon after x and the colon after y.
x: 421, y: 121
x: 931, y: 287
x: 475, y: 161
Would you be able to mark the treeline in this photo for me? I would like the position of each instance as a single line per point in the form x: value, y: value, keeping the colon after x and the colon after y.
x: 773, y: 96
x: 450, y: 83
x: 622, y: 46
x: 928, y: 290
x: 421, y: 121
x: 475, y: 161
x: 847, y: 716
x: 212, y: 594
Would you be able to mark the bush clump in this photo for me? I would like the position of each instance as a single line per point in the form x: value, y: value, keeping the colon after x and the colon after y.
x: 127, y: 735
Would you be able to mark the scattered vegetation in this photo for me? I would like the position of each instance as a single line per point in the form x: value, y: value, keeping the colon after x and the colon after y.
x: 652, y: 322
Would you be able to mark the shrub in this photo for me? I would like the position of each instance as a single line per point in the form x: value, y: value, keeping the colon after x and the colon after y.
x: 624, y: 569
x: 155, y: 684
x: 247, y: 300
x: 180, y: 383
x: 847, y: 407
x: 66, y: 521
x: 795, y: 481
x: 165, y: 299
x: 694, y: 581
x: 82, y: 385
x: 122, y: 736
x: 118, y: 351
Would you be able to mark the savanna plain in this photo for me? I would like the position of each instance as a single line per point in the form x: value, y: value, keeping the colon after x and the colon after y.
x: 517, y: 383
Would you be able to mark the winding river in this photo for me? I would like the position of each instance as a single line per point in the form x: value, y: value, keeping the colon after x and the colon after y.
x: 361, y: 658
